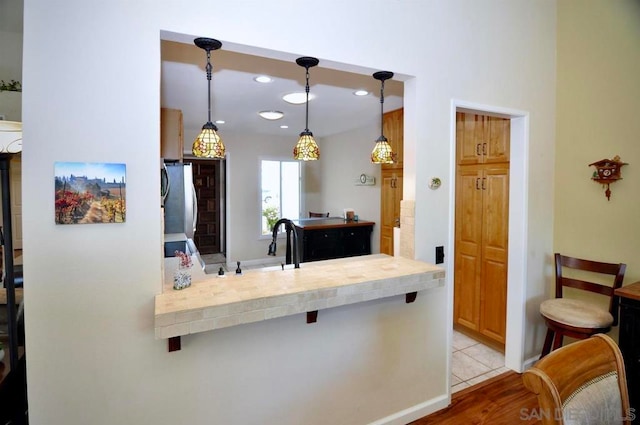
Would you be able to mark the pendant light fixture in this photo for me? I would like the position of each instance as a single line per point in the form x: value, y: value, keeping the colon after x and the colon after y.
x: 306, y: 149
x: 208, y: 144
x: 382, y: 152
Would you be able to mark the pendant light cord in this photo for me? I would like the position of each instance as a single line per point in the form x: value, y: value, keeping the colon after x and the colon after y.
x: 306, y: 89
x: 382, y: 108
x: 209, y: 69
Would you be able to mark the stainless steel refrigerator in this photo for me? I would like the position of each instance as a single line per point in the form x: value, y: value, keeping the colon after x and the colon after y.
x: 180, y: 204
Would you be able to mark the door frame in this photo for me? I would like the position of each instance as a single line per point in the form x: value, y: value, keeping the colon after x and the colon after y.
x: 518, y: 218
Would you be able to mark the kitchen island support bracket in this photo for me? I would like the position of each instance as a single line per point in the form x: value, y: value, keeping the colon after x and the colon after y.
x: 312, y: 316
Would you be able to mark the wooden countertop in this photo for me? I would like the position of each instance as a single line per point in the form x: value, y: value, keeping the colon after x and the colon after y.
x: 631, y: 291
x: 213, y: 302
x: 329, y: 223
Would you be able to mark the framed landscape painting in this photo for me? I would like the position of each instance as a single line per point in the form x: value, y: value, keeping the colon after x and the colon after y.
x: 88, y: 192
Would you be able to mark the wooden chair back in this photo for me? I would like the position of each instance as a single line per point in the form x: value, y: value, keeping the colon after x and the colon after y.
x: 614, y: 269
x: 583, y: 380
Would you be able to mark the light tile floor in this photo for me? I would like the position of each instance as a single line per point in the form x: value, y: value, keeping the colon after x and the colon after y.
x: 473, y: 362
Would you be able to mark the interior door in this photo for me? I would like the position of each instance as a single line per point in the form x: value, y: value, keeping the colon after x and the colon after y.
x: 468, y: 250
x: 208, y: 181
x: 495, y: 237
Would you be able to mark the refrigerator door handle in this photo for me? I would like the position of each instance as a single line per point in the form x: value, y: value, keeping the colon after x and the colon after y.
x: 195, y: 207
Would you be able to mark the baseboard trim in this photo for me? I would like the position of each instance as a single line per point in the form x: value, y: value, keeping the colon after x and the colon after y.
x: 416, y: 412
x: 529, y: 362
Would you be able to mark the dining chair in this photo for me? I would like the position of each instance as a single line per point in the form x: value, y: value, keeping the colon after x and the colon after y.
x: 316, y: 214
x: 582, y: 383
x: 577, y: 318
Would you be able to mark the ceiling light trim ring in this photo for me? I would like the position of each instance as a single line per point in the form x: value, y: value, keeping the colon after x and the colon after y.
x: 271, y: 115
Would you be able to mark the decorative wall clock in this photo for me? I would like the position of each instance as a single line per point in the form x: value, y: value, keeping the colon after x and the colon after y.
x: 607, y: 172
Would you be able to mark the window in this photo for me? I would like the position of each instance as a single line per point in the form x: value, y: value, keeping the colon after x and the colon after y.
x: 280, y: 194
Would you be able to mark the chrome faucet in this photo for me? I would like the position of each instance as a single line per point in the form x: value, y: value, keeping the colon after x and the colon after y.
x: 289, y: 227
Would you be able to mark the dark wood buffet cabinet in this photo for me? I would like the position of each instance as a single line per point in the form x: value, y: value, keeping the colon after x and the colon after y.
x: 629, y: 341
x: 329, y: 238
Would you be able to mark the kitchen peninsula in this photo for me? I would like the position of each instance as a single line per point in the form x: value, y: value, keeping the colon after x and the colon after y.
x: 214, y: 302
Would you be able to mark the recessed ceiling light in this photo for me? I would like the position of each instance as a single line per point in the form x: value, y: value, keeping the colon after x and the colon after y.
x: 297, y: 98
x: 284, y: 126
x: 360, y: 92
x: 220, y: 122
x: 263, y: 79
x: 271, y: 115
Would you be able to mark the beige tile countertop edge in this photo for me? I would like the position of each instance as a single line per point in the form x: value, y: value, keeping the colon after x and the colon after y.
x: 214, y: 302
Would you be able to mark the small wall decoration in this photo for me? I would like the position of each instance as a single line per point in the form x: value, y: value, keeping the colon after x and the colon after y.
x: 607, y: 172
x: 365, y: 180
x: 88, y: 193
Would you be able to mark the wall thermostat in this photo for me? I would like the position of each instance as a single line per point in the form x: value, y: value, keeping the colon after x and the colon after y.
x: 365, y: 180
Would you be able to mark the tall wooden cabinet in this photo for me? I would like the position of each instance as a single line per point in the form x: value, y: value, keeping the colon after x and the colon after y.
x: 390, y: 207
x: 393, y: 127
x: 171, y: 134
x: 481, y: 236
x: 391, y: 191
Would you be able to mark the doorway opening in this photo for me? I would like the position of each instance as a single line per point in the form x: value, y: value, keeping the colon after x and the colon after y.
x: 209, y: 185
x: 517, y: 223
x: 481, y: 247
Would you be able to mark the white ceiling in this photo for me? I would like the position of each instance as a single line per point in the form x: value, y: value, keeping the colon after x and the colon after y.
x: 237, y: 98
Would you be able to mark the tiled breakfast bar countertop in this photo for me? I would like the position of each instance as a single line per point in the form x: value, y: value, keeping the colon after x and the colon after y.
x: 213, y: 302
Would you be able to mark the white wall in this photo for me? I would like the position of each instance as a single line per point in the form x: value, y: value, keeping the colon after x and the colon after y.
x: 89, y: 289
x: 598, y: 96
x: 344, y: 157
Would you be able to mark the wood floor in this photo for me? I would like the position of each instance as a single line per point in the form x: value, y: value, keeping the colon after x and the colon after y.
x: 502, y: 400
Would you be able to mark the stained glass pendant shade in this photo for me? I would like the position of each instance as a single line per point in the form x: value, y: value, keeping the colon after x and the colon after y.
x: 208, y: 144
x: 306, y: 149
x: 382, y: 152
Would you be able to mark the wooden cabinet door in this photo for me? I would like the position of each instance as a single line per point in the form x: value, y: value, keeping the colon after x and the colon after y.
x: 482, y: 139
x: 495, y: 144
x: 390, y: 197
x: 356, y: 240
x: 171, y: 134
x: 468, y: 248
x: 495, y: 236
x: 469, y: 136
x: 393, y: 128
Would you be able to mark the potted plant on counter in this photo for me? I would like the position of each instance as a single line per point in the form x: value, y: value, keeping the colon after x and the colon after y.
x: 182, y: 275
